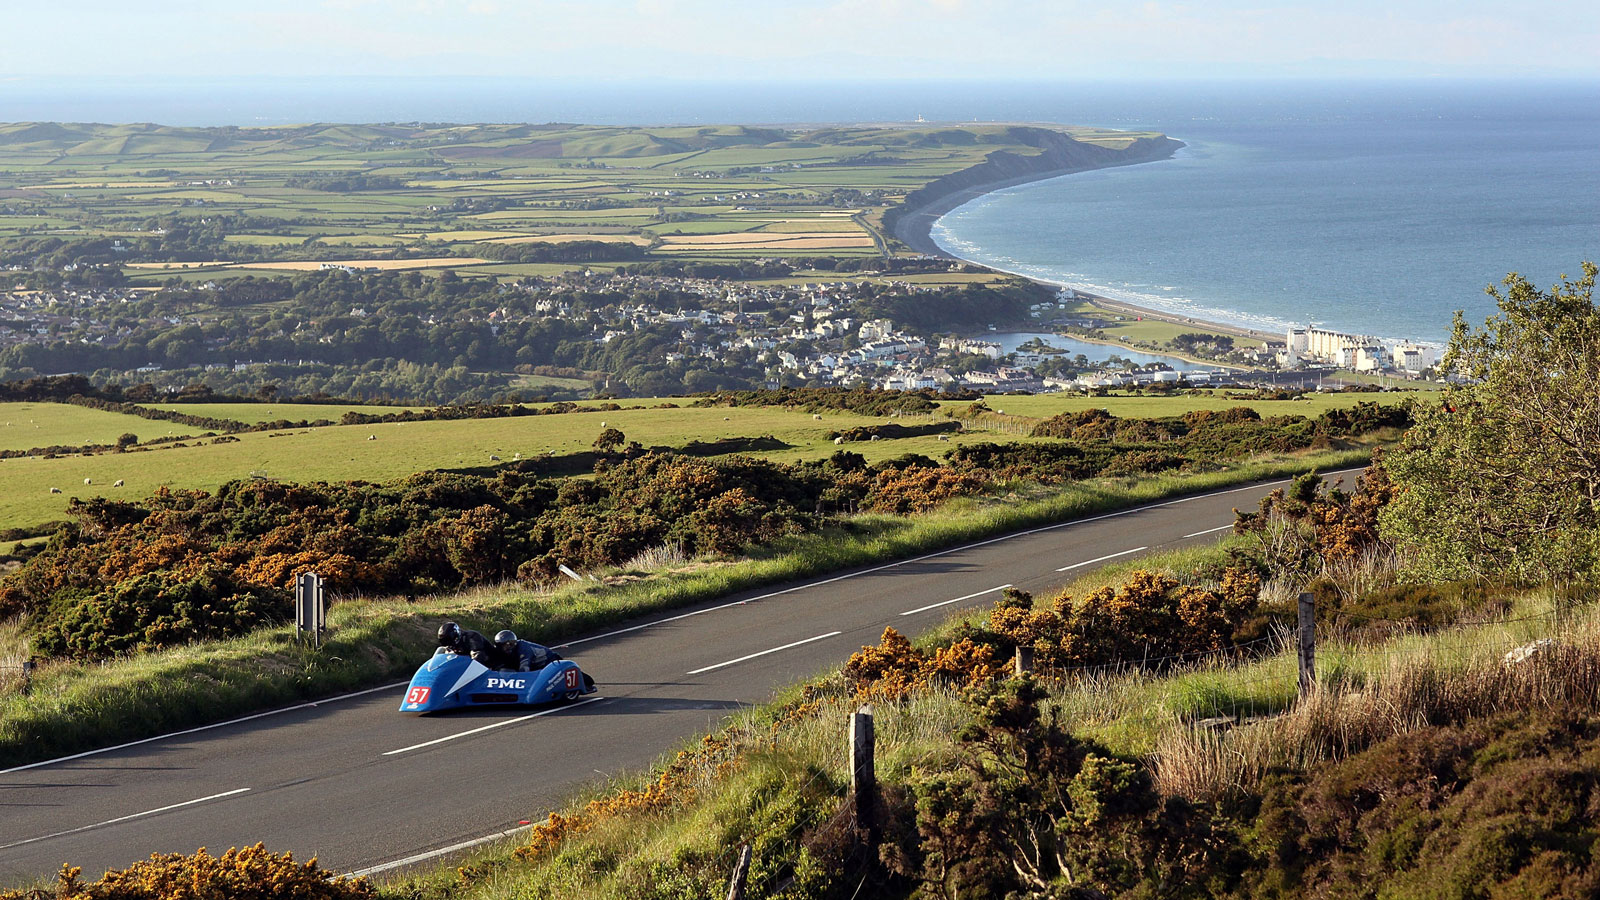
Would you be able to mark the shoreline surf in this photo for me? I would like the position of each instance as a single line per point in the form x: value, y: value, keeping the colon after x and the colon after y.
x: 914, y: 228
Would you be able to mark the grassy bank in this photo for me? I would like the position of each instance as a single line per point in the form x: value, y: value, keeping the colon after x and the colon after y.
x: 777, y: 776
x: 74, y: 707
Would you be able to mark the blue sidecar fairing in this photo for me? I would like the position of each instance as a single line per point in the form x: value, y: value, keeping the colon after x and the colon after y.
x: 452, y: 681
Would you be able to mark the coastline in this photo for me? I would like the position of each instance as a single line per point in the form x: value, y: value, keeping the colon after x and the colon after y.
x: 913, y: 227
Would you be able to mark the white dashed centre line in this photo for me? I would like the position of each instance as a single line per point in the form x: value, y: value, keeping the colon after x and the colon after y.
x: 912, y: 612
x: 765, y: 652
x: 1210, y: 530
x: 1090, y: 562
x: 491, y: 727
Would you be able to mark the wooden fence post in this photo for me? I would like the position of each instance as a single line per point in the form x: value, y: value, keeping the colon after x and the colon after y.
x: 741, y: 871
x: 1308, y: 642
x: 863, y: 774
x: 1024, y: 660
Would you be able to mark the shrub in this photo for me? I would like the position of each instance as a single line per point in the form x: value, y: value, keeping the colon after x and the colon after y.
x: 921, y: 488
x: 252, y: 873
x: 893, y: 668
x: 1151, y: 620
x: 1034, y: 811
x: 152, y: 611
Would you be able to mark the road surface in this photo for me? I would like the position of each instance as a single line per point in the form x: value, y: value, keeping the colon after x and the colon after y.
x: 362, y: 788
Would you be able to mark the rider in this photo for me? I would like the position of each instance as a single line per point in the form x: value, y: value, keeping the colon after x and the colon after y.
x: 466, y: 642
x: 524, y: 656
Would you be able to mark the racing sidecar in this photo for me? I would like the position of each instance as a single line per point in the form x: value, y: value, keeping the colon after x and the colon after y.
x: 453, y: 680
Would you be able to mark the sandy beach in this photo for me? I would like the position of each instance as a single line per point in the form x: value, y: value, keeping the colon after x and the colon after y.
x: 914, y: 229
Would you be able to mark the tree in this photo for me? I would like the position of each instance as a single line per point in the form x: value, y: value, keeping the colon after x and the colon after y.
x: 1502, y: 478
x: 126, y: 440
x: 609, y: 440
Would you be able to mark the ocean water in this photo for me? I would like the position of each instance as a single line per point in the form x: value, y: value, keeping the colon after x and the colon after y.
x: 1009, y: 341
x: 1373, y: 209
x: 1368, y: 206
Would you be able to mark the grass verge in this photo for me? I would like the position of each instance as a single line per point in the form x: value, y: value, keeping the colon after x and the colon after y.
x: 73, y: 707
x: 777, y: 776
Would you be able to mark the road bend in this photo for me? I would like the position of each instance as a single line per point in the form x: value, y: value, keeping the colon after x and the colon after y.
x: 350, y: 781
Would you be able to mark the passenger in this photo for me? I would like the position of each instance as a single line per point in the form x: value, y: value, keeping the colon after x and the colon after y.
x: 523, y: 656
x: 466, y: 642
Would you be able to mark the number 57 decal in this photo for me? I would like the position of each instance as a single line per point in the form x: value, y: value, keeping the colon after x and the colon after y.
x: 572, y: 679
x: 418, y: 695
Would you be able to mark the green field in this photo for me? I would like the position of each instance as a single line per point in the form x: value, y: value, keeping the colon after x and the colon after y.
x: 339, y: 453
x: 448, y: 189
x: 389, y: 451
x: 24, y: 426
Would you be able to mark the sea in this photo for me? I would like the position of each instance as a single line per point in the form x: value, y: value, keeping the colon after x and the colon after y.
x: 1367, y: 206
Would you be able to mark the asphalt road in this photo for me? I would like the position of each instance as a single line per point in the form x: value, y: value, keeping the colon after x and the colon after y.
x: 351, y: 781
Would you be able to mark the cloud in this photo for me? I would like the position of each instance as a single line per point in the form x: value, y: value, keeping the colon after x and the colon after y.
x: 789, y: 39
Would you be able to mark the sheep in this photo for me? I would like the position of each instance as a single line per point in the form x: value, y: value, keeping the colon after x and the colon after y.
x: 88, y: 481
x: 55, y: 490
x: 874, y: 438
x: 493, y: 457
x: 117, y: 483
x: 372, y: 437
x: 944, y: 437
x: 816, y: 417
x: 602, y: 424
x: 838, y: 440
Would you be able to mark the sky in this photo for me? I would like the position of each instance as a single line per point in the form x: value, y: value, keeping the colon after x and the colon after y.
x: 788, y: 40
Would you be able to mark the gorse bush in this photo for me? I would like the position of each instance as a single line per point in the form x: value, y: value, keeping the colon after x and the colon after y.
x: 1151, y: 620
x: 1030, y: 811
x: 1313, y: 533
x: 152, y: 611
x: 185, y: 565
x: 893, y: 668
x: 251, y: 873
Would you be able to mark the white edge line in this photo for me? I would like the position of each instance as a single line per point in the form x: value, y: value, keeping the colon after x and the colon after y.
x: 938, y: 553
x: 912, y: 612
x: 765, y: 652
x: 463, y: 734
x: 423, y: 857
x: 148, y: 812
x: 1090, y: 562
x: 1208, y: 531
x: 162, y: 737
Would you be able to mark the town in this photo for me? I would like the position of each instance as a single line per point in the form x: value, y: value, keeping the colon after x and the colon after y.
x: 849, y: 333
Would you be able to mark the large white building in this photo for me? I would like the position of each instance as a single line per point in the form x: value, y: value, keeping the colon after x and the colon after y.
x: 1362, y: 353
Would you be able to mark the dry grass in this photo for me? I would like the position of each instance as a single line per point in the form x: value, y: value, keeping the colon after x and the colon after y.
x: 14, y: 651
x: 1368, y: 695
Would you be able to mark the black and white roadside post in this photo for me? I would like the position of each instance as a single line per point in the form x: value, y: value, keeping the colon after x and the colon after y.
x: 310, y: 608
x: 864, y: 774
x: 28, y: 666
x: 1308, y: 642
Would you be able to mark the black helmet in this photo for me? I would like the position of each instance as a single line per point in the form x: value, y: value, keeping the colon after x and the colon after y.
x: 506, y: 639
x: 449, y: 633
